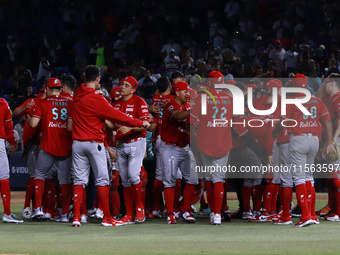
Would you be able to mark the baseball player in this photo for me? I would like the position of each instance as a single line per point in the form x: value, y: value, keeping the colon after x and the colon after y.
x: 303, y: 147
x: 159, y: 100
x: 214, y: 153
x: 131, y: 146
x: 31, y: 141
x: 6, y: 133
x: 332, y: 89
x: 68, y: 82
x: 52, y: 112
x: 89, y: 112
x: 175, y: 152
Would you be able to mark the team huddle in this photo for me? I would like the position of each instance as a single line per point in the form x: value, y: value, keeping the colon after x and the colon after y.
x: 73, y: 138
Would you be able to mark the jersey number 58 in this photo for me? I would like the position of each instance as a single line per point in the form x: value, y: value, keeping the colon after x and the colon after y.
x: 62, y: 115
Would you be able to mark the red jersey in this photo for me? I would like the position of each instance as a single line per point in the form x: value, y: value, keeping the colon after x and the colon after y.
x: 306, y: 123
x: 31, y: 134
x: 135, y: 107
x: 52, y: 112
x: 67, y: 95
x: 159, y: 99
x: 6, y: 124
x: 89, y: 112
x: 214, y: 131
x: 175, y: 131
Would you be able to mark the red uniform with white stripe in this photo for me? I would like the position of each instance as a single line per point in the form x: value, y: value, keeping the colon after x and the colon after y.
x: 175, y: 131
x: 214, y: 141
x: 159, y: 99
x: 305, y: 123
x: 53, y: 114
x: 136, y: 108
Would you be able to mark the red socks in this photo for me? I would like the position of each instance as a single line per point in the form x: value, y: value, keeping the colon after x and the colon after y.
x: 39, y: 186
x: 177, y: 204
x: 6, y: 196
x: 210, y: 194
x: 66, y: 190
x: 78, y: 191
x: 138, y: 194
x: 246, y: 193
x: 224, y: 202
x: 267, y: 196
x: 218, y: 195
x: 169, y: 195
x: 128, y: 199
x: 29, y: 192
x: 287, y: 193
x: 257, y: 196
x: 83, y: 204
x: 275, y: 196
x: 157, y: 193
x: 103, y: 197
x: 188, y: 195
x: 301, y: 194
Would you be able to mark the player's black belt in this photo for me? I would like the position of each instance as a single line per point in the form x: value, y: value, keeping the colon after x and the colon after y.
x: 175, y: 144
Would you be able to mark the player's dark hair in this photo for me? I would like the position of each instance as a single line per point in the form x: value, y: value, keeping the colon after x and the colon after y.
x: 69, y: 81
x: 240, y: 85
x: 162, y: 84
x: 91, y: 73
x: 336, y: 78
x: 177, y: 75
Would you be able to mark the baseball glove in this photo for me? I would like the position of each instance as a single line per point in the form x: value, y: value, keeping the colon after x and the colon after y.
x: 335, y: 154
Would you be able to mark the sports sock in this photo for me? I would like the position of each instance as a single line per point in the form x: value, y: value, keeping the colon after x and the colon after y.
x: 169, y: 195
x: 177, y: 203
x: 78, y: 191
x: 301, y: 195
x: 49, y: 196
x: 287, y: 193
x: 210, y: 194
x: 83, y: 204
x: 138, y: 194
x: 268, y: 195
x: 246, y: 193
x: 336, y: 189
x: 188, y: 195
x: 218, y: 195
x: 157, y: 193
x: 309, y: 196
x: 275, y: 196
x: 225, y: 198
x: 103, y: 198
x: 29, y: 192
x: 6, y: 196
x: 128, y: 199
x: 39, y: 187
x: 66, y: 190
x: 257, y: 197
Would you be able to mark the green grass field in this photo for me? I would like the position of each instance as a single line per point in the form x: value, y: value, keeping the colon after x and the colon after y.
x: 156, y: 237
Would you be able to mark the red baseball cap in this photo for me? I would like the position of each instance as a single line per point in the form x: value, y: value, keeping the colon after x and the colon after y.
x: 251, y: 86
x: 277, y: 42
x: 181, y: 85
x: 278, y: 82
x: 230, y: 82
x: 131, y: 80
x: 300, y: 81
x: 271, y: 84
x: 114, y: 92
x: 53, y: 83
x: 217, y: 77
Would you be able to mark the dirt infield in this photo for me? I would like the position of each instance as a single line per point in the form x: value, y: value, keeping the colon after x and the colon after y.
x: 18, y: 197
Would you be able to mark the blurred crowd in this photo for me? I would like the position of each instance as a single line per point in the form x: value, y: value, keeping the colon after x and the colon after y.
x: 149, y: 39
